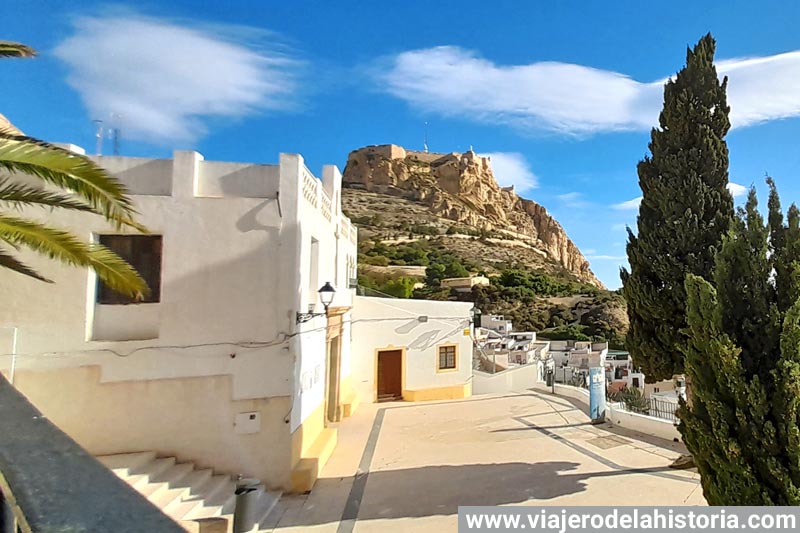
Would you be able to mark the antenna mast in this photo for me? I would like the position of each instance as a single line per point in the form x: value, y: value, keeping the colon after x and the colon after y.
x: 98, y: 137
x: 425, y: 142
x: 116, y: 135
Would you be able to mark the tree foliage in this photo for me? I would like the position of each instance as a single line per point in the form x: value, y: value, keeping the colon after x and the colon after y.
x: 743, y: 361
x: 685, y: 210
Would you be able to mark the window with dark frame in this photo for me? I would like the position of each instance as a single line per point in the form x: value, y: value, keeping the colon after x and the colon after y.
x: 143, y: 253
x: 447, y: 357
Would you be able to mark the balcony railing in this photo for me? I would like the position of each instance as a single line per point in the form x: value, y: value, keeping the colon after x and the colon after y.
x: 49, y: 484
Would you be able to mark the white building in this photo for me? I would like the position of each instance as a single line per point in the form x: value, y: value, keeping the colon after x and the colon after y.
x: 215, y: 367
x: 496, y: 323
x: 465, y: 284
x: 413, y: 350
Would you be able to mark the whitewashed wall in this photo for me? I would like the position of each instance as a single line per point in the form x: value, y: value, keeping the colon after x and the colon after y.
x: 388, y: 323
x: 235, y: 269
x: 515, y: 379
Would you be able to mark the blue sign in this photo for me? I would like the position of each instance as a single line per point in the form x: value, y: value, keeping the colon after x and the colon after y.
x: 597, y: 394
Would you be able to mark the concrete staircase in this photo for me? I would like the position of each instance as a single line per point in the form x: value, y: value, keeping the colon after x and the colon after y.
x: 187, y: 494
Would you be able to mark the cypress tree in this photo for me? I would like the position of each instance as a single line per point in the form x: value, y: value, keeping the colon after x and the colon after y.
x: 743, y: 358
x: 685, y: 210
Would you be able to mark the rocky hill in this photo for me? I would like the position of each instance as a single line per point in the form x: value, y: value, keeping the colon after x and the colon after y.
x: 460, y: 188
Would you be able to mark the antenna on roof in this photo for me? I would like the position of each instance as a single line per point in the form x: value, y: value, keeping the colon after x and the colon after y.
x: 98, y: 137
x: 115, y: 132
x: 425, y: 142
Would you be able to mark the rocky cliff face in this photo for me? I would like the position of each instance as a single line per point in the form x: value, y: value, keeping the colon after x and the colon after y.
x: 462, y: 188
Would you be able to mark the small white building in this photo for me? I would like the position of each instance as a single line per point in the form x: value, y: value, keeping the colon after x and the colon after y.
x: 413, y: 350
x: 465, y: 284
x: 215, y: 367
x: 496, y: 323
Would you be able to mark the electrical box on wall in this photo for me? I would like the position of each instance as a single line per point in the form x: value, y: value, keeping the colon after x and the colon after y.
x: 249, y: 422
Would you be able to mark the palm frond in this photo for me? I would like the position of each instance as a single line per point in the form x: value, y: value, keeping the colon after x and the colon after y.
x: 12, y: 49
x: 8, y: 261
x: 18, y: 194
x: 65, y: 247
x: 71, y: 171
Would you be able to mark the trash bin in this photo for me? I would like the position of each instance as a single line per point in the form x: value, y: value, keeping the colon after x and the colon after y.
x: 247, y: 491
x: 549, y: 379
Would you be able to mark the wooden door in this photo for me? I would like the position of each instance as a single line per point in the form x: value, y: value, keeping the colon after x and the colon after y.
x: 390, y: 375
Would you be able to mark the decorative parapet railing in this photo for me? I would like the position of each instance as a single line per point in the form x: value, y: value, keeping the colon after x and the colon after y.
x: 49, y: 484
x: 310, y: 188
x: 315, y: 195
x: 326, y: 206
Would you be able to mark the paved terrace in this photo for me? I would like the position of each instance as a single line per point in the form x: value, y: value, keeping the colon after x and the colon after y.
x: 406, y: 467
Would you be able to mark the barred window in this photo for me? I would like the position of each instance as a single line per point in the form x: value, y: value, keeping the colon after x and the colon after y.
x: 447, y: 357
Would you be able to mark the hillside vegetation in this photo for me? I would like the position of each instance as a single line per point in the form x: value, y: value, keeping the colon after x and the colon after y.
x: 405, y: 250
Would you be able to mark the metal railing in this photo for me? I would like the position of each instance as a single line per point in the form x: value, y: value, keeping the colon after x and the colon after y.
x: 654, y: 407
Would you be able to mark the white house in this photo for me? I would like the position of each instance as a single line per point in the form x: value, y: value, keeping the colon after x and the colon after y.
x: 465, y: 284
x: 496, y: 323
x: 413, y: 350
x: 216, y: 367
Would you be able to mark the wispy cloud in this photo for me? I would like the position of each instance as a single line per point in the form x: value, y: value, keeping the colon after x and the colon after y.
x: 737, y: 190
x: 164, y: 80
x: 628, y: 205
x: 573, y: 200
x: 574, y: 99
x: 511, y: 168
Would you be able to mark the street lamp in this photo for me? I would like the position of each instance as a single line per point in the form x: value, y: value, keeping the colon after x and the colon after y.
x: 476, y: 316
x: 326, y: 294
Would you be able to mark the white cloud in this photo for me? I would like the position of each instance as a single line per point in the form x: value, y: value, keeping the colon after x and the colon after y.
x: 762, y: 88
x: 628, y: 205
x: 575, y: 99
x: 737, y: 190
x: 165, y: 80
x: 511, y: 168
x: 573, y: 200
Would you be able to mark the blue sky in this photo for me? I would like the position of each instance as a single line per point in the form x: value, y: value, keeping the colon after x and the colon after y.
x: 562, y: 94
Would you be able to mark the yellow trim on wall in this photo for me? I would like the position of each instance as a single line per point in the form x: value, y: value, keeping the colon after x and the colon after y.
x: 389, y: 348
x: 312, y: 446
x: 453, y: 392
x: 305, y: 435
x: 446, y: 345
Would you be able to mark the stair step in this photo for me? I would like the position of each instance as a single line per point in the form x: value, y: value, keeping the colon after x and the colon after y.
x: 206, y: 485
x: 184, y: 493
x: 169, y: 479
x: 193, y: 482
x: 173, y: 490
x: 214, y: 500
x: 124, y: 463
x: 152, y: 471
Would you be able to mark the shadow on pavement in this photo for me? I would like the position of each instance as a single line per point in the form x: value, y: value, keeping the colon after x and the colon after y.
x: 439, y: 490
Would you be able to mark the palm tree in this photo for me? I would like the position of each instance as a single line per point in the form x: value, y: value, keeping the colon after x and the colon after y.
x: 34, y: 173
